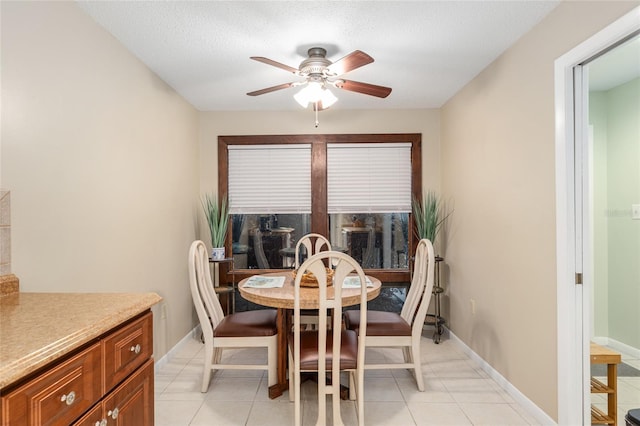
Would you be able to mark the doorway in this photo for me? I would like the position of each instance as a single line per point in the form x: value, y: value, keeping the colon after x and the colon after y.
x: 575, y: 236
x: 612, y: 191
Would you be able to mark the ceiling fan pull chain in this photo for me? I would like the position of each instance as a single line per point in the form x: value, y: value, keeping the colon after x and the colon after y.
x: 316, y: 108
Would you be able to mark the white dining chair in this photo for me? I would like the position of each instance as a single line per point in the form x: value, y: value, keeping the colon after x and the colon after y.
x: 248, y: 329
x: 404, y: 330
x: 327, y: 349
x: 308, y: 245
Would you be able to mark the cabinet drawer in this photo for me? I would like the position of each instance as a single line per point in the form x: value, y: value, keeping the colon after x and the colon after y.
x: 131, y: 403
x: 95, y: 417
x: 58, y: 396
x: 127, y: 349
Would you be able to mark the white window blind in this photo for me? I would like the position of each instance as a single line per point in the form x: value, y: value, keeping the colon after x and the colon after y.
x: 372, y: 177
x: 269, y: 179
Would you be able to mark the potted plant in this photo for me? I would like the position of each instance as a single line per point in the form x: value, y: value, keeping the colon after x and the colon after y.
x: 217, y: 214
x: 428, y: 215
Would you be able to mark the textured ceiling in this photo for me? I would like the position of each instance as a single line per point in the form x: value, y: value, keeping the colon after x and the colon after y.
x: 425, y: 50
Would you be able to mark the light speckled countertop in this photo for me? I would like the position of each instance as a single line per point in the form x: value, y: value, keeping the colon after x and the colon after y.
x: 37, y: 328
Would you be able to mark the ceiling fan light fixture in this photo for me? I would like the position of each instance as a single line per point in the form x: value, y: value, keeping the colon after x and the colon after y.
x: 328, y: 98
x: 315, y: 92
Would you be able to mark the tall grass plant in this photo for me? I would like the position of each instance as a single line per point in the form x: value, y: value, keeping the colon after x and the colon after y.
x: 217, y: 213
x: 428, y: 215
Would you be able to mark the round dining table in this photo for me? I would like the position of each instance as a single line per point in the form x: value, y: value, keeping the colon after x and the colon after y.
x: 282, y: 299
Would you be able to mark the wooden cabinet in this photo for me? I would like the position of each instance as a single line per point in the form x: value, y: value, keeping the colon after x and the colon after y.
x: 58, y: 396
x: 79, y: 389
x: 95, y: 417
x: 126, y: 349
x: 131, y: 403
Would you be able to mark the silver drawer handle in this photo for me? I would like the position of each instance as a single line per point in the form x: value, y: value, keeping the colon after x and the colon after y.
x: 136, y: 348
x: 68, y: 398
x: 113, y: 414
x: 102, y: 422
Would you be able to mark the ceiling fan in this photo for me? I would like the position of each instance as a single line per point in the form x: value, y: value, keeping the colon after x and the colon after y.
x: 319, y: 73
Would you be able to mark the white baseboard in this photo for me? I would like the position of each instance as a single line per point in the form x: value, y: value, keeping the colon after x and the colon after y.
x: 618, y: 346
x: 193, y: 334
x: 602, y: 341
x: 531, y: 408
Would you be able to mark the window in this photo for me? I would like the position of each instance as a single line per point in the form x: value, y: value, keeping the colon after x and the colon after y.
x: 356, y: 189
x: 369, y: 201
x: 257, y: 184
x: 267, y: 205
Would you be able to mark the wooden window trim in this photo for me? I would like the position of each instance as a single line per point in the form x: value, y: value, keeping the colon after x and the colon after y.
x: 320, y: 217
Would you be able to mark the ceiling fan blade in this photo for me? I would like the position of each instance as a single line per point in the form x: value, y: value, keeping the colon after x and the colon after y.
x: 271, y: 89
x: 353, y: 60
x: 366, y: 88
x: 275, y: 64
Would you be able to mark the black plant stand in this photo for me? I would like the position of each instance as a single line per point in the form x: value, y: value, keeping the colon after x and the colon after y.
x: 435, y: 319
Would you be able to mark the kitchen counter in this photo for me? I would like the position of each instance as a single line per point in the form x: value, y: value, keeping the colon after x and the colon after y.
x: 38, y: 328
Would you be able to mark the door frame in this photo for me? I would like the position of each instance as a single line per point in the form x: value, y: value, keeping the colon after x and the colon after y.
x: 574, y: 301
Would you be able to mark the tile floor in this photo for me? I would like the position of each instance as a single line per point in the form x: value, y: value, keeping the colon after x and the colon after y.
x: 628, y: 390
x: 457, y: 393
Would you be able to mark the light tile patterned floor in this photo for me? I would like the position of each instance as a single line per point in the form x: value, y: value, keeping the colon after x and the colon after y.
x: 457, y: 393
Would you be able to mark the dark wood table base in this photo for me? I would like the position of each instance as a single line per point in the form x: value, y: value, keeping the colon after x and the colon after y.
x: 283, y: 322
x: 278, y: 389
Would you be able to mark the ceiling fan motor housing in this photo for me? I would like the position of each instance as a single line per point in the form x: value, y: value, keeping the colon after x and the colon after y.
x: 316, y: 63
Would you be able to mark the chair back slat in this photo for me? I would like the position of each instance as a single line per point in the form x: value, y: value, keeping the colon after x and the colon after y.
x: 429, y: 271
x: 425, y: 270
x: 202, y: 291
x: 418, y: 283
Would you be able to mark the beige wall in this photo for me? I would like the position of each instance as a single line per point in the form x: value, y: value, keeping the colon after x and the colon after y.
x: 101, y: 158
x: 497, y: 165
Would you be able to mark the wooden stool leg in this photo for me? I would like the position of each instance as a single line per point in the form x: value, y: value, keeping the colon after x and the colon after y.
x: 612, y: 398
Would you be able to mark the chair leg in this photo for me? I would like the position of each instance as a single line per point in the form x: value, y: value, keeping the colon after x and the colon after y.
x: 322, y: 400
x: 360, y: 395
x: 209, y: 353
x: 417, y: 365
x: 291, y: 378
x: 296, y: 398
x: 337, y: 415
x: 294, y: 390
x: 272, y: 360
